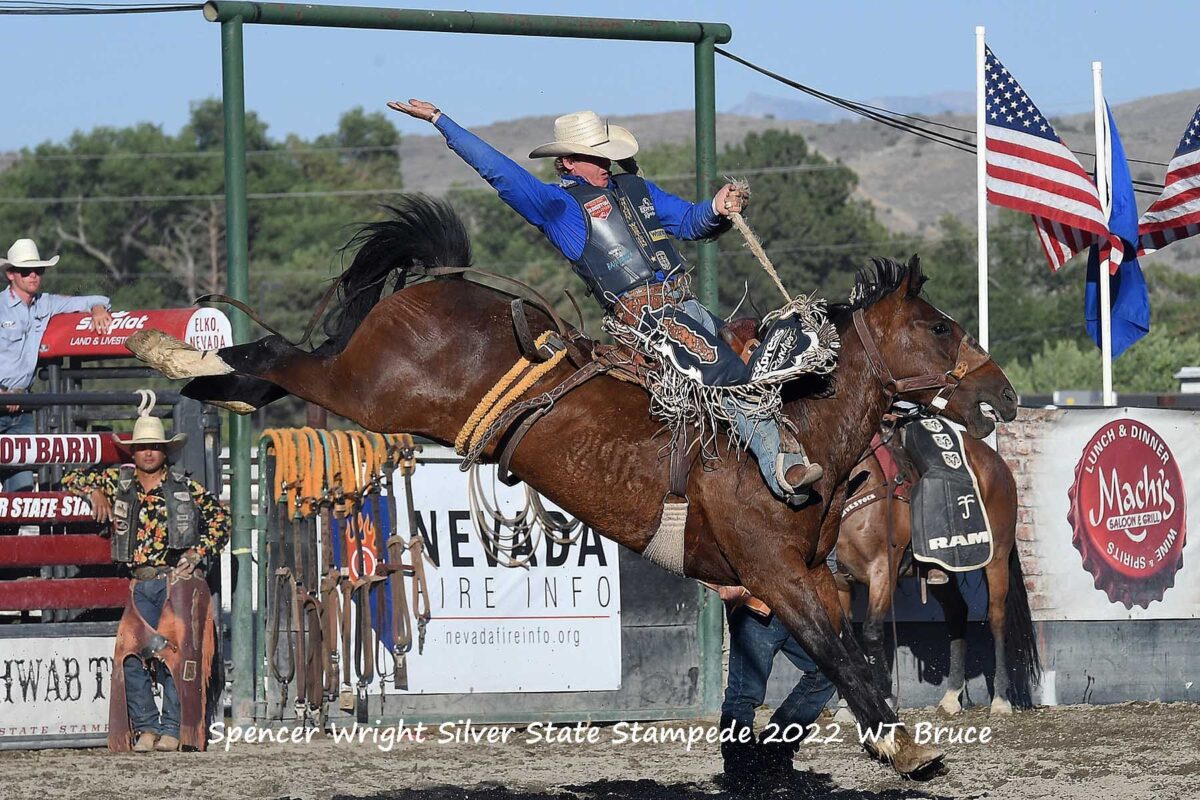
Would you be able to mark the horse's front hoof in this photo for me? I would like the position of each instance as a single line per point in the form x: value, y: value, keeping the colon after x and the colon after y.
x: 914, y: 760
x: 950, y: 703
x: 1001, y: 706
x: 175, y: 359
x: 236, y: 406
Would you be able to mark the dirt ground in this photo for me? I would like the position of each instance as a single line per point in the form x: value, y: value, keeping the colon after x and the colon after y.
x: 1125, y: 752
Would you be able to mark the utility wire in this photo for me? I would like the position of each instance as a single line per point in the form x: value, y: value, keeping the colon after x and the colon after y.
x: 893, y: 119
x: 41, y: 10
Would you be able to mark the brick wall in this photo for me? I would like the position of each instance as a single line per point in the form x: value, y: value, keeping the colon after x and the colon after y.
x: 1020, y: 443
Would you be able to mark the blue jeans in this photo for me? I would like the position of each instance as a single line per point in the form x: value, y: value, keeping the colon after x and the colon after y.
x: 149, y: 597
x: 19, y: 423
x: 753, y: 643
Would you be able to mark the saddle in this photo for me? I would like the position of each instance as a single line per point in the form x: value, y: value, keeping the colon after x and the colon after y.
x: 185, y: 642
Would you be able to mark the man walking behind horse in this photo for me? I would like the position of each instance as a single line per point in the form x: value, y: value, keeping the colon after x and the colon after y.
x: 167, y: 529
x: 756, y: 636
x: 615, y: 230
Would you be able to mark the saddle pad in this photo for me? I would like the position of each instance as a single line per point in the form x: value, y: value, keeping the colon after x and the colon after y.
x: 950, y: 527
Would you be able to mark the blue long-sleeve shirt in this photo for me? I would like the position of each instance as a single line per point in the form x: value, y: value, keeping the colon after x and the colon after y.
x: 552, y: 210
x: 21, y: 329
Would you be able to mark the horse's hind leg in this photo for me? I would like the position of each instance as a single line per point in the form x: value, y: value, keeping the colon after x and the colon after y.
x: 238, y: 393
x: 879, y: 602
x: 997, y: 581
x: 955, y: 610
x: 254, y: 367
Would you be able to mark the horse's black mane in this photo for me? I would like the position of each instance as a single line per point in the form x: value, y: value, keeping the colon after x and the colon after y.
x: 874, y: 282
x: 421, y: 232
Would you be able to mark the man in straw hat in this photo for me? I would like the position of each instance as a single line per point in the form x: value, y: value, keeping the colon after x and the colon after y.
x: 167, y: 529
x: 616, y: 229
x: 24, y: 313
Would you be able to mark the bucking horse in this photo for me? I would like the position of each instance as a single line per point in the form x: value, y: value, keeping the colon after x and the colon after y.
x: 420, y: 359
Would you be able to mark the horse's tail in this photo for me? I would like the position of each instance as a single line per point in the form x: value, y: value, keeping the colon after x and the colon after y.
x: 422, y: 233
x: 1020, y: 638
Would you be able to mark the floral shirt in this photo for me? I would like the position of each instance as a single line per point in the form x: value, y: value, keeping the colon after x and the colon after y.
x: 150, y: 548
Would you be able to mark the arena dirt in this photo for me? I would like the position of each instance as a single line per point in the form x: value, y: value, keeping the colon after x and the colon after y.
x: 1132, y: 751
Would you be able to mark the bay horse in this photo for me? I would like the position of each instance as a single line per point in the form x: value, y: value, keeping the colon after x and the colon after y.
x: 420, y: 359
x: 862, y: 552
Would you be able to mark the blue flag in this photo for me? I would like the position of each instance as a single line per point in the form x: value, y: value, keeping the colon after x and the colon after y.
x: 1130, y: 299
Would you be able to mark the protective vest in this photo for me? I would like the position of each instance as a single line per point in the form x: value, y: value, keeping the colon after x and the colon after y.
x: 626, y: 244
x: 183, y: 516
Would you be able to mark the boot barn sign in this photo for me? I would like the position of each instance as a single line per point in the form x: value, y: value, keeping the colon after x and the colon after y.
x: 1113, y: 527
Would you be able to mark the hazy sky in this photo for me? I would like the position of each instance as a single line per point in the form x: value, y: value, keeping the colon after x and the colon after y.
x: 65, y: 73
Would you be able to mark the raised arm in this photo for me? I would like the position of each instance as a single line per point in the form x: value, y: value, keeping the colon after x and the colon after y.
x: 545, y: 206
x: 539, y: 203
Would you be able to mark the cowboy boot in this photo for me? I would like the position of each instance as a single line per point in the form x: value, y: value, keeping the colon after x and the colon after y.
x: 145, y: 742
x: 792, y: 467
x: 739, y: 758
x: 936, y: 577
x: 167, y: 744
x: 766, y: 439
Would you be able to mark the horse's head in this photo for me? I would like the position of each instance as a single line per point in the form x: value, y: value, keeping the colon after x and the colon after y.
x: 923, y: 356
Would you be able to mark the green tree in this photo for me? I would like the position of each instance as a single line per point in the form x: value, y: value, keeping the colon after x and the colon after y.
x: 139, y: 213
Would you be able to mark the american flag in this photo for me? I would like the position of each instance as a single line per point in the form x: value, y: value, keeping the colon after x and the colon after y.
x: 1176, y: 213
x: 1029, y: 169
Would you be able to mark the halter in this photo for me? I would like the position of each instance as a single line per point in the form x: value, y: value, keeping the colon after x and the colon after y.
x: 970, y: 357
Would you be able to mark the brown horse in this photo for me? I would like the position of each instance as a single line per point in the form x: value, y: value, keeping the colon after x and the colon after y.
x: 862, y: 551
x: 420, y: 360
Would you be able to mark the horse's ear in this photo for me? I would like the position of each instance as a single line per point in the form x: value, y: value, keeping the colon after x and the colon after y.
x: 916, y: 279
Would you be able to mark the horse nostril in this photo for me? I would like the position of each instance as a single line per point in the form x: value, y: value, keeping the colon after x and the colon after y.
x: 1009, y: 394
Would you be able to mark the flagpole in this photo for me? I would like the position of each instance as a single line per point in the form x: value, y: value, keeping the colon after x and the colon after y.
x: 981, y: 184
x: 1103, y: 165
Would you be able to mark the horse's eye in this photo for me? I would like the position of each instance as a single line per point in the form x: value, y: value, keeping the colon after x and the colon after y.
x: 941, y: 329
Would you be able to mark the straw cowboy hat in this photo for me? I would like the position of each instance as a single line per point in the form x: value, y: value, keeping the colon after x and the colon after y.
x: 585, y: 134
x: 24, y: 254
x: 149, y: 430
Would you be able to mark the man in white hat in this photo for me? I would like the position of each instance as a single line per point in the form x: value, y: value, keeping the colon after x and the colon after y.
x: 24, y: 313
x: 165, y: 527
x: 616, y: 230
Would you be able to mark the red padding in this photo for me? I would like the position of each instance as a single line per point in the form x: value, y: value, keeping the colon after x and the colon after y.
x: 54, y: 551
x: 35, y: 593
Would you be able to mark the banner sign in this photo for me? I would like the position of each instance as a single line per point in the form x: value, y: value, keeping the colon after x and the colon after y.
x: 1110, y: 491
x: 553, y: 627
x: 72, y: 335
x: 54, y: 686
x: 85, y: 449
x: 36, y: 507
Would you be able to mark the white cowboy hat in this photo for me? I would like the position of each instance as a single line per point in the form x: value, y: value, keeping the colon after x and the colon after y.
x: 24, y: 254
x: 149, y: 430
x: 585, y: 134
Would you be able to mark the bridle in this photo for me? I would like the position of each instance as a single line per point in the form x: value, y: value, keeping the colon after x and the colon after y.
x: 970, y: 357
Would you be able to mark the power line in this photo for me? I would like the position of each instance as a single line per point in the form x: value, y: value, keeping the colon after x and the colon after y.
x: 32, y: 8
x: 176, y: 198
x: 893, y: 119
x: 278, y: 151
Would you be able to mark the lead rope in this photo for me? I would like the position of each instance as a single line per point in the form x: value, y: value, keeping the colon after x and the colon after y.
x: 752, y: 241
